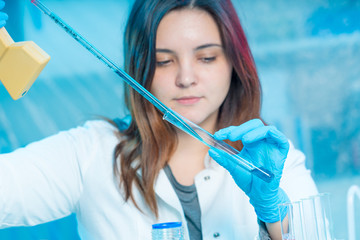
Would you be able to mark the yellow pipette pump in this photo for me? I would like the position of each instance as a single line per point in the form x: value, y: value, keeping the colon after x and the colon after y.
x: 20, y: 64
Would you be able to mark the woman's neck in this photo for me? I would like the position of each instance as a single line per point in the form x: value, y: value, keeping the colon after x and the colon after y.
x: 188, y: 158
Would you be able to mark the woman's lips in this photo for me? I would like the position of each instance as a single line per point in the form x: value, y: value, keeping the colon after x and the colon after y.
x: 188, y: 100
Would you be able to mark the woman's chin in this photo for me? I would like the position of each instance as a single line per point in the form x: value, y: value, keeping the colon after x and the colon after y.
x: 200, y: 118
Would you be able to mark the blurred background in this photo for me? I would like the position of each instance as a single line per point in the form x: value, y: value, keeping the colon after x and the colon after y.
x: 308, y: 57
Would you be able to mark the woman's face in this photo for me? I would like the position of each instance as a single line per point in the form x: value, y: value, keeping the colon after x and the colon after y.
x: 192, y: 74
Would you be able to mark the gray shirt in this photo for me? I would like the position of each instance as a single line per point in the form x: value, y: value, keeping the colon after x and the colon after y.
x: 189, y: 200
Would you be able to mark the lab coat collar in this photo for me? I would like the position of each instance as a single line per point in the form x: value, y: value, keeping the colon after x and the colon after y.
x: 166, y: 192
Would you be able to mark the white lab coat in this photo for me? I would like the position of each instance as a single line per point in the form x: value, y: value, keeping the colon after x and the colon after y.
x: 73, y: 172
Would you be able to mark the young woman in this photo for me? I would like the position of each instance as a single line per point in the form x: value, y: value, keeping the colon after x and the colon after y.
x: 194, y: 57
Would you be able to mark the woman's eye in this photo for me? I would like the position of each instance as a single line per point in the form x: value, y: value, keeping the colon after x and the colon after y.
x: 208, y: 59
x: 163, y: 63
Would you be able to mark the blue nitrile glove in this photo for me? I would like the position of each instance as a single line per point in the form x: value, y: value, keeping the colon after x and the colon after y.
x: 3, y: 16
x: 263, y: 146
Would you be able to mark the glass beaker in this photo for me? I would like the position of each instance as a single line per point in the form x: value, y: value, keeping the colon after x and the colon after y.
x: 308, y: 219
x: 295, y: 227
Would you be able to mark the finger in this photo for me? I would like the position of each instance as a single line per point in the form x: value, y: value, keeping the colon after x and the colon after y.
x: 268, y: 133
x: 236, y: 133
x: 224, y: 159
x: 241, y: 176
x: 218, y: 158
x: 2, y: 4
x: 224, y: 133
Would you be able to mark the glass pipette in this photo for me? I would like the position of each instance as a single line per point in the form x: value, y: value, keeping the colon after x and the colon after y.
x: 169, y: 115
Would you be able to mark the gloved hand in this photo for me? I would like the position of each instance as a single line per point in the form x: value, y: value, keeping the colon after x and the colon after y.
x: 263, y: 146
x: 3, y: 16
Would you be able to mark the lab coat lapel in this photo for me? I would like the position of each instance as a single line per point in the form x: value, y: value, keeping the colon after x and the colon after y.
x: 209, y: 183
x: 166, y: 192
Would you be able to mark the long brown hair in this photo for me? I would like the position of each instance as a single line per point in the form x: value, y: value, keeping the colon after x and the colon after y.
x: 148, y: 143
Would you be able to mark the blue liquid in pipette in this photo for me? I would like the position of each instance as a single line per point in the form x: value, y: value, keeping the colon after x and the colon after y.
x: 262, y: 173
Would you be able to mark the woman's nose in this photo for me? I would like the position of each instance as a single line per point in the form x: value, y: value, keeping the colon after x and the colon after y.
x: 186, y: 76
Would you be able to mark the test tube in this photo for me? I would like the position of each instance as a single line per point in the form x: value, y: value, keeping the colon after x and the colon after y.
x: 295, y: 227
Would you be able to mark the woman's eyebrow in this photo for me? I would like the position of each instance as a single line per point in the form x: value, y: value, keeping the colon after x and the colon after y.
x: 208, y: 45
x: 164, y: 50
